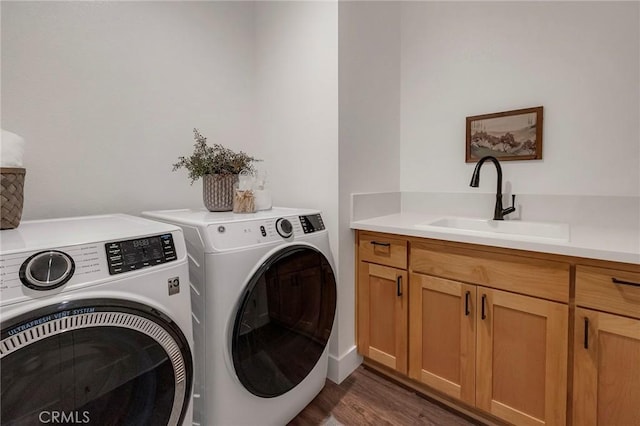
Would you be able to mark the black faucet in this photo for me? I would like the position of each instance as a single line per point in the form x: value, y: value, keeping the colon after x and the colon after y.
x: 498, y: 213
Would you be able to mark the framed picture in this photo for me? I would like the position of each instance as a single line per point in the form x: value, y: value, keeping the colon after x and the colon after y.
x: 509, y: 135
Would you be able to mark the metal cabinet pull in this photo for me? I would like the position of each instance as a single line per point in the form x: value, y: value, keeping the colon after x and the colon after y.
x: 399, y: 285
x: 484, y: 299
x: 467, y: 311
x: 377, y: 243
x: 617, y: 281
x: 586, y: 333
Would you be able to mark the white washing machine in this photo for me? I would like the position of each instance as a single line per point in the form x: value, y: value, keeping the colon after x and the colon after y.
x: 264, y: 302
x: 96, y: 323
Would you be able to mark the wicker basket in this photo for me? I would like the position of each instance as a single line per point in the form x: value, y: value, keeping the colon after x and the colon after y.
x: 11, y: 196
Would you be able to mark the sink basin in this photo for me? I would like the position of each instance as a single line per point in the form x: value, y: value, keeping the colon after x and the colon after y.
x: 505, y: 228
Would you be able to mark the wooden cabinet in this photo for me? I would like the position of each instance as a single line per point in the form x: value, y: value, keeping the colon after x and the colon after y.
x: 502, y: 352
x: 487, y: 329
x: 382, y: 249
x: 542, y: 278
x: 505, y: 345
x: 606, y: 381
x: 443, y: 335
x: 606, y: 348
x: 609, y: 290
x: 382, y: 315
x: 382, y: 300
x: 521, y: 358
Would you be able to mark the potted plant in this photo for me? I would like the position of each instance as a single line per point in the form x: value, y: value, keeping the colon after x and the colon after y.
x: 219, y: 168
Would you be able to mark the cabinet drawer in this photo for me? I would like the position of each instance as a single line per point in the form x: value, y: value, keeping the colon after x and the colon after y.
x: 541, y: 278
x: 378, y: 248
x: 609, y: 290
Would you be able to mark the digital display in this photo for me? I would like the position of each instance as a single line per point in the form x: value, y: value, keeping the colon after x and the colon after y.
x: 142, y: 243
x: 130, y: 255
x: 316, y: 222
x: 143, y: 250
x: 311, y: 223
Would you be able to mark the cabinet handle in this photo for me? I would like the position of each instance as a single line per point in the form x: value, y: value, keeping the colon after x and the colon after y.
x: 399, y: 285
x: 466, y: 303
x: 377, y: 243
x: 586, y: 333
x: 484, y: 299
x: 617, y: 281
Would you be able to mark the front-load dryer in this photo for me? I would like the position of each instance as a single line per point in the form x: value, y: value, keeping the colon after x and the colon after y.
x: 264, y: 301
x: 96, y: 323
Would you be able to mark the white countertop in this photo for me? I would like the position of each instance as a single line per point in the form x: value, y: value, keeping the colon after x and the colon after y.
x: 605, y: 243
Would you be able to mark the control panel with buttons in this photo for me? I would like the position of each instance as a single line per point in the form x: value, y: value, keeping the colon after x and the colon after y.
x: 247, y: 233
x: 36, y: 273
x: 312, y: 223
x: 130, y: 255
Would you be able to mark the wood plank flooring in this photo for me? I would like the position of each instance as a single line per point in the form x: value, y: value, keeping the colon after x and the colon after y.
x: 366, y: 398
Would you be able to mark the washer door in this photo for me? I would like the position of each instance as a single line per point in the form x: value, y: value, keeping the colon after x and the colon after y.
x: 284, y: 321
x: 103, y: 361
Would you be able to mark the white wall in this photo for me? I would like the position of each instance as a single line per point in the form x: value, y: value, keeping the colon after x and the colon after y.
x: 106, y: 95
x: 580, y: 60
x: 296, y: 102
x: 369, y: 62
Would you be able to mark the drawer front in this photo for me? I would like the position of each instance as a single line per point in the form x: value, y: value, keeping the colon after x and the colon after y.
x: 379, y: 248
x: 609, y: 290
x: 541, y: 278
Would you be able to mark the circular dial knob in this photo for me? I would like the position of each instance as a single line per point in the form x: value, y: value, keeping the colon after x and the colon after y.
x: 47, y: 270
x: 284, y: 228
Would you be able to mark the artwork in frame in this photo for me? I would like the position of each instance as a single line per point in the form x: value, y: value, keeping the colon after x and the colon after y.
x: 509, y: 135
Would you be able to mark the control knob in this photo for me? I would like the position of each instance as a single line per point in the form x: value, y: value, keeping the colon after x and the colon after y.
x: 284, y: 228
x: 47, y: 270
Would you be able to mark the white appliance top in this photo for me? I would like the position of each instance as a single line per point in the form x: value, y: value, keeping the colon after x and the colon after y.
x: 203, y: 217
x: 52, y: 233
x: 42, y: 258
x: 224, y: 231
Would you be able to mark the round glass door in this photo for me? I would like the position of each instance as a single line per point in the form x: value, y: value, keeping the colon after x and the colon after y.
x: 96, y: 362
x: 284, y: 321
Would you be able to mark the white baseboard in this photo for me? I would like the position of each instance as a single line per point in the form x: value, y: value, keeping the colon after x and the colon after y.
x: 341, y: 367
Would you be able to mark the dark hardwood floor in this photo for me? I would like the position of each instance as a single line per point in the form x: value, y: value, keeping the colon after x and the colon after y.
x: 366, y: 398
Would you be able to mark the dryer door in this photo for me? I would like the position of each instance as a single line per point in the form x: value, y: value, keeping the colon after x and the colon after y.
x: 284, y: 321
x: 104, y: 362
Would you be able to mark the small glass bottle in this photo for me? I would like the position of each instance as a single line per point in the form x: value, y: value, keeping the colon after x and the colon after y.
x: 243, y: 198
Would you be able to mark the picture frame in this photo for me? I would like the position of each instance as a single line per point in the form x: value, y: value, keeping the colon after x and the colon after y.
x: 509, y: 135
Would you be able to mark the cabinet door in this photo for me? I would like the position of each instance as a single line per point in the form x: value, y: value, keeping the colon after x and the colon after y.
x: 522, y: 358
x: 442, y: 335
x: 382, y: 315
x: 606, y: 377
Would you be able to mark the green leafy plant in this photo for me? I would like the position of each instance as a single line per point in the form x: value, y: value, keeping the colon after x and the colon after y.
x: 216, y: 159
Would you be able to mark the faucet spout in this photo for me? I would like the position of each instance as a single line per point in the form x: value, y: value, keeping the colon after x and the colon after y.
x: 499, y: 212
